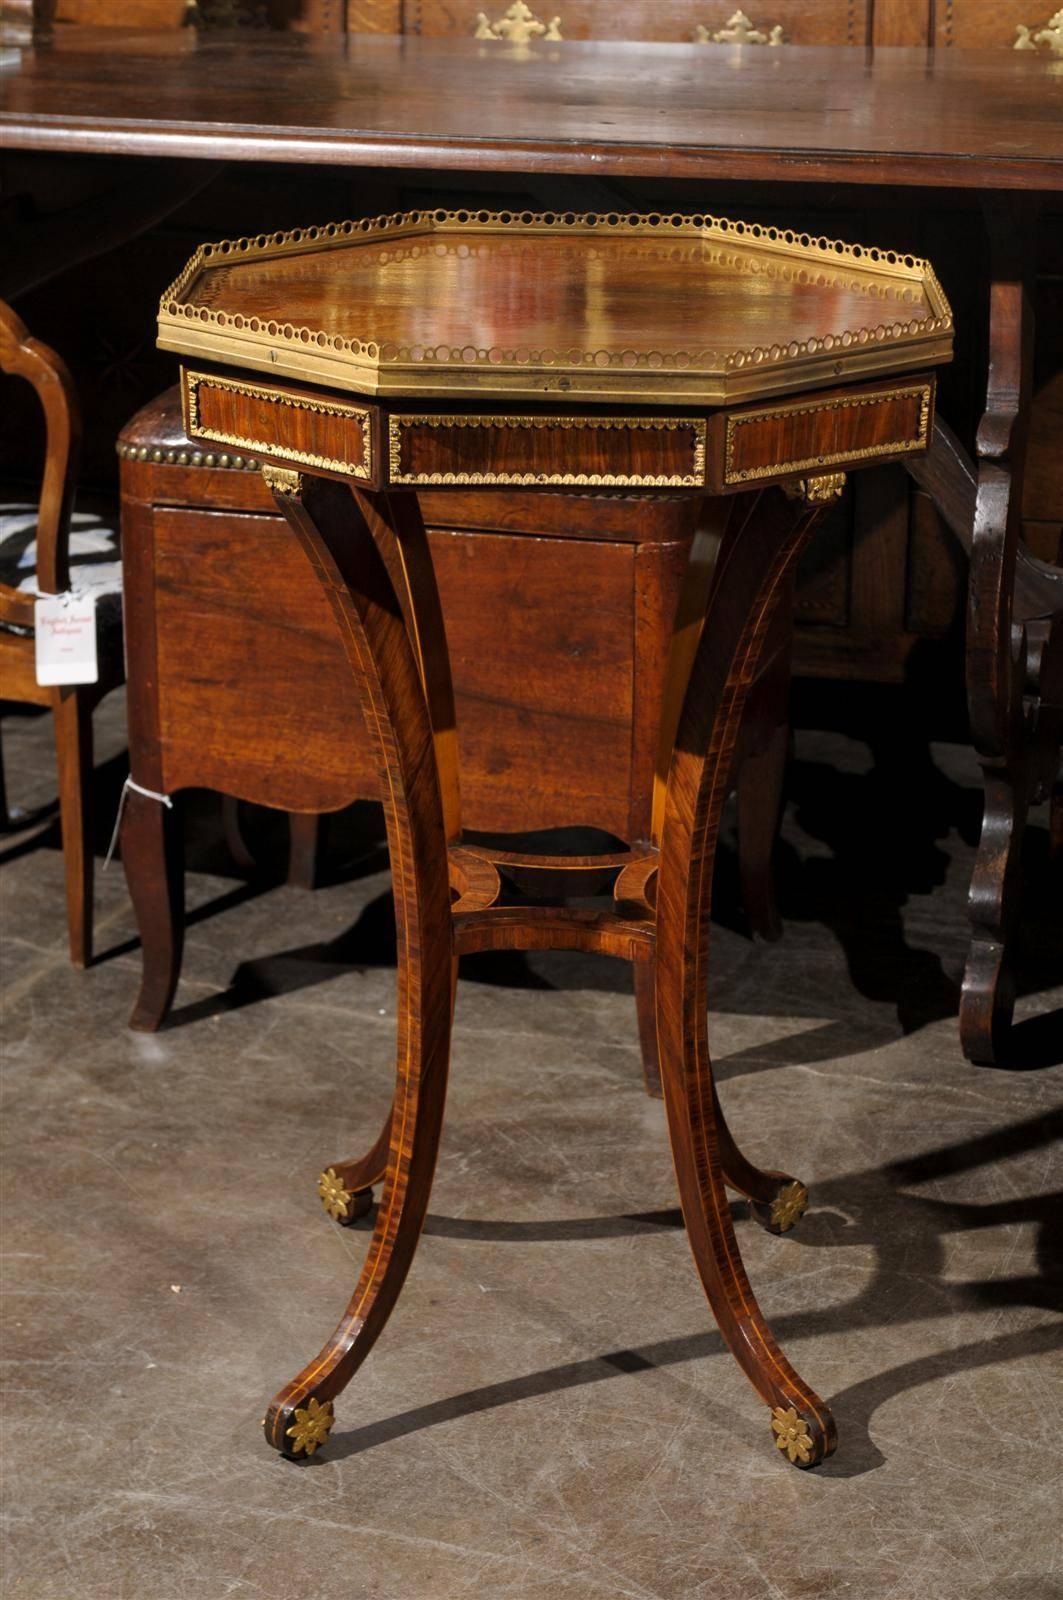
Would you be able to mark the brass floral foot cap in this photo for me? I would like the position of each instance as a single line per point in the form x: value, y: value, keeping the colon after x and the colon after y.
x: 788, y: 1207
x: 793, y: 1436
x: 335, y: 1197
x: 342, y: 1204
x: 311, y: 1427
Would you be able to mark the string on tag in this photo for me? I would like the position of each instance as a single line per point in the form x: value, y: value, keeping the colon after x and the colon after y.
x: 149, y: 794
x: 64, y: 596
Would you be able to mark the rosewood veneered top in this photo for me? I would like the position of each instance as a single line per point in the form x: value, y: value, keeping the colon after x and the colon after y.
x: 964, y: 118
x: 519, y: 306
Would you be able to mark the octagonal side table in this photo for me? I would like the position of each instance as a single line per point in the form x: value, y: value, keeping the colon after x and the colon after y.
x: 361, y: 362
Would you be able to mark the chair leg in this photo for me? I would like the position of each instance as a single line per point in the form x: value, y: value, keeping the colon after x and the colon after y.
x: 233, y: 834
x: 761, y: 545
x: 72, y: 712
x: 353, y: 544
x: 987, y: 998
x: 306, y: 841
x: 153, y: 859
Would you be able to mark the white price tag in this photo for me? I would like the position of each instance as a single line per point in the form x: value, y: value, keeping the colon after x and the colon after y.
x: 65, y: 627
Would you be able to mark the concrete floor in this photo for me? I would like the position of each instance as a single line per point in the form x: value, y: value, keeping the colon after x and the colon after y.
x: 550, y: 1414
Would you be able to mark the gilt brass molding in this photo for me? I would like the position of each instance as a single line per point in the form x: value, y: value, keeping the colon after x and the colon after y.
x: 820, y: 491
x: 194, y: 381
x: 694, y: 479
x: 519, y: 25
x: 738, y: 30
x: 1051, y: 34
x: 685, y: 376
x: 923, y: 392
x: 282, y: 480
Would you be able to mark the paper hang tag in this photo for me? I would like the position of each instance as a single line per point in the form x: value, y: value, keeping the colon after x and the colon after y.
x: 65, y: 627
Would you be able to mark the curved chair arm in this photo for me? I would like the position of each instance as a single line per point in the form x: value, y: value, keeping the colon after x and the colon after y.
x: 28, y: 358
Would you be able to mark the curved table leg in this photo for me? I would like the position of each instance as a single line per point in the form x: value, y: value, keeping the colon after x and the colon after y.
x: 306, y: 836
x: 153, y: 862
x: 346, y: 1188
x: 778, y: 1200
x: 233, y: 834
x: 759, y: 784
x: 761, y: 543
x: 343, y: 541
x: 152, y: 841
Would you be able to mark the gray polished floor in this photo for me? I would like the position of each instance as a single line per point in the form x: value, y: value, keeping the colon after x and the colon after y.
x: 550, y: 1414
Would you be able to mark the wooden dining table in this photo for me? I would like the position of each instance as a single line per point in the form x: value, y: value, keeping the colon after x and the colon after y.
x: 985, y: 125
x: 985, y: 120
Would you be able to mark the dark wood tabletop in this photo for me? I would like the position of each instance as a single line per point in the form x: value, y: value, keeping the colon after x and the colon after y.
x: 950, y: 118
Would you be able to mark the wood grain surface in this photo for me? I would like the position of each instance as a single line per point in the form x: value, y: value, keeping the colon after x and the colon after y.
x: 967, y: 119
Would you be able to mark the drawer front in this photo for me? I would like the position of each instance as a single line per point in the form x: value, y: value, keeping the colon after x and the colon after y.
x: 652, y: 21
x: 809, y: 436
x: 615, y: 452
x: 287, y: 425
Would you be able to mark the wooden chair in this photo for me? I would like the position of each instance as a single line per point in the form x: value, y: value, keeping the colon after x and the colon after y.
x: 40, y: 554
x: 1014, y: 643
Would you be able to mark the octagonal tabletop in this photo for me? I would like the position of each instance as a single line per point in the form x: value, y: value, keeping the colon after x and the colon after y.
x: 513, y: 306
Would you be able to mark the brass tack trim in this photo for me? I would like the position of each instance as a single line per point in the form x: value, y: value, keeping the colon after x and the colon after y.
x: 169, y: 457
